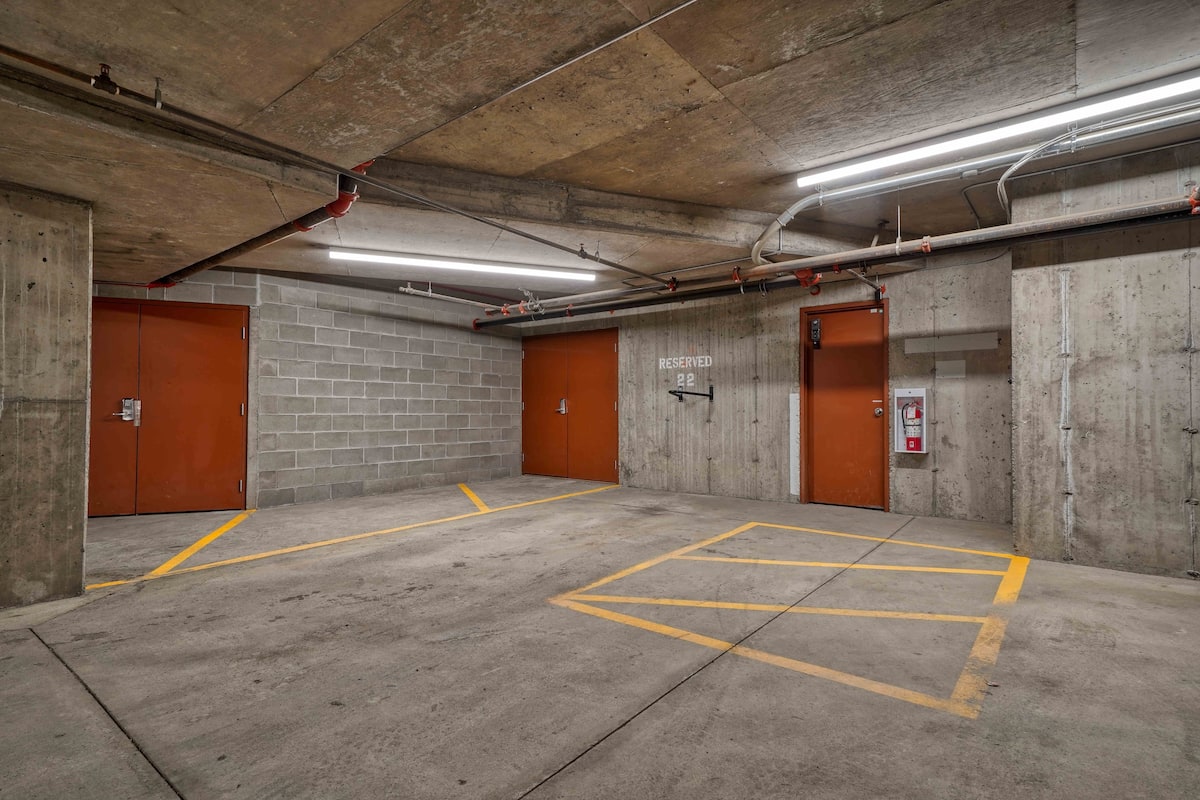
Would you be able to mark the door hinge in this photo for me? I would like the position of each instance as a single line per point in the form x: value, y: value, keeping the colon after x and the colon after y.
x: 522, y: 458
x: 614, y: 348
x: 240, y: 487
x: 522, y: 406
x: 614, y: 405
x: 243, y: 331
x: 243, y: 409
x: 522, y: 355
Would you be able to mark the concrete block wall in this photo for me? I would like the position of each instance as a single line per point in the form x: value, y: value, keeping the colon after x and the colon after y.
x: 357, y: 391
x: 1106, y: 374
x: 227, y: 287
x: 364, y: 392
x: 45, y: 324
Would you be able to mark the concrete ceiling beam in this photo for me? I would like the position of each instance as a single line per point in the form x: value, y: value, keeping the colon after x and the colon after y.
x: 517, y: 199
x: 137, y: 130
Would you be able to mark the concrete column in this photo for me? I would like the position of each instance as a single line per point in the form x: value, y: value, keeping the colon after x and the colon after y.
x: 45, y: 324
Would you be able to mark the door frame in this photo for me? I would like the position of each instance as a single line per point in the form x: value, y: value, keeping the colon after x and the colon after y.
x: 249, y: 385
x: 805, y: 404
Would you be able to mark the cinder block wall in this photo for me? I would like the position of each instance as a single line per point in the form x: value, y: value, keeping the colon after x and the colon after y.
x: 1106, y: 376
x: 45, y: 323
x: 358, y: 391
x: 363, y: 392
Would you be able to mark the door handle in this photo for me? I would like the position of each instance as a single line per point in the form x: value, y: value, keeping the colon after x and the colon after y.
x: 131, y: 411
x: 878, y: 411
x: 562, y: 406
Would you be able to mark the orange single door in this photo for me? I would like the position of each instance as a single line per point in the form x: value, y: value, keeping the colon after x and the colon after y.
x: 192, y: 443
x: 185, y: 368
x: 569, y: 396
x: 112, y: 457
x: 845, y: 419
x: 592, y: 406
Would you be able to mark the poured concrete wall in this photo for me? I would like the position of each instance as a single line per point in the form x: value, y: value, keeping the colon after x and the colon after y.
x: 45, y: 275
x: 1105, y: 374
x: 950, y: 332
x: 739, y: 444
x: 357, y: 391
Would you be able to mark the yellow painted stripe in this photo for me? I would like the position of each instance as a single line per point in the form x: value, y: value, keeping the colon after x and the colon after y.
x: 91, y: 586
x: 833, y: 612
x: 972, y: 683
x: 202, y: 543
x: 952, y: 706
x: 482, y: 506
x: 356, y: 537
x: 841, y: 565
x: 1010, y: 587
x: 988, y: 553
x: 660, y: 559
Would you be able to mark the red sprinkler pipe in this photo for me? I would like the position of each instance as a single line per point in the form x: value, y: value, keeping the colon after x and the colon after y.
x: 347, y: 194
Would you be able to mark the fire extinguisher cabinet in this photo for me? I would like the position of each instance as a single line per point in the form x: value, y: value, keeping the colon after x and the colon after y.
x: 909, y: 421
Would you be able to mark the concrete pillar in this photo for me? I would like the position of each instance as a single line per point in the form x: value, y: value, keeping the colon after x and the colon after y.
x: 45, y: 324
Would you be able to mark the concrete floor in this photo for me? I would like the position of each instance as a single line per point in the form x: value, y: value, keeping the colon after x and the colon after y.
x: 427, y: 662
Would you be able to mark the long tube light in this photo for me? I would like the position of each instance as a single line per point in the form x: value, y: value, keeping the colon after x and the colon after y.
x: 1029, y: 126
x: 461, y: 265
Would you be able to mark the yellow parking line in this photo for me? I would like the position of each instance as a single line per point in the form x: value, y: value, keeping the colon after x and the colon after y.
x: 988, y: 553
x: 966, y: 700
x: 1010, y: 587
x: 482, y: 506
x: 200, y: 544
x: 660, y: 559
x: 371, y: 534
x: 833, y: 612
x: 842, y: 565
x: 953, y: 706
x: 106, y: 584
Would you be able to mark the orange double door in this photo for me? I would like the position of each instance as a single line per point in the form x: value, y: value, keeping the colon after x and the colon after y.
x: 844, y: 446
x: 168, y: 407
x: 569, y: 405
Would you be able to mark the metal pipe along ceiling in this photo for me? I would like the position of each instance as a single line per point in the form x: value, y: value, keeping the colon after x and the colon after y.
x: 347, y: 194
x: 1091, y: 136
x: 803, y: 269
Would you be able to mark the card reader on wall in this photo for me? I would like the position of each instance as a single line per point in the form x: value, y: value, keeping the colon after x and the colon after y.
x: 909, y: 421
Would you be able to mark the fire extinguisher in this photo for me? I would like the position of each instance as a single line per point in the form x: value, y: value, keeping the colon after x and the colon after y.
x: 910, y: 415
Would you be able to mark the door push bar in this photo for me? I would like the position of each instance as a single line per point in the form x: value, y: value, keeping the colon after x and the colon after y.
x: 680, y: 393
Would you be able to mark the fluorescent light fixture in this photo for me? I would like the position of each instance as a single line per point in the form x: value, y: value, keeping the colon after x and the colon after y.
x: 1041, y: 123
x: 462, y: 265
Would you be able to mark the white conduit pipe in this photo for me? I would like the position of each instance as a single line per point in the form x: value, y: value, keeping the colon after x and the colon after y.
x: 1115, y: 130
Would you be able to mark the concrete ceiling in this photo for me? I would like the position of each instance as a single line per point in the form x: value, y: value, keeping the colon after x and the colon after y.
x: 672, y: 147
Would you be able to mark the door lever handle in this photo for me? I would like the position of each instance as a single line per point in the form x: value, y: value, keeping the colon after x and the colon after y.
x: 562, y: 406
x: 131, y: 411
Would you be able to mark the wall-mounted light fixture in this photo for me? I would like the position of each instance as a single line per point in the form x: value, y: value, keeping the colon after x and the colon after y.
x: 459, y: 264
x: 1041, y: 123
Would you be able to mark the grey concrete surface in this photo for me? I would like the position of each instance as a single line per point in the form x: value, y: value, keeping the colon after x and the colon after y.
x: 45, y: 271
x: 1105, y: 374
x: 427, y: 663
